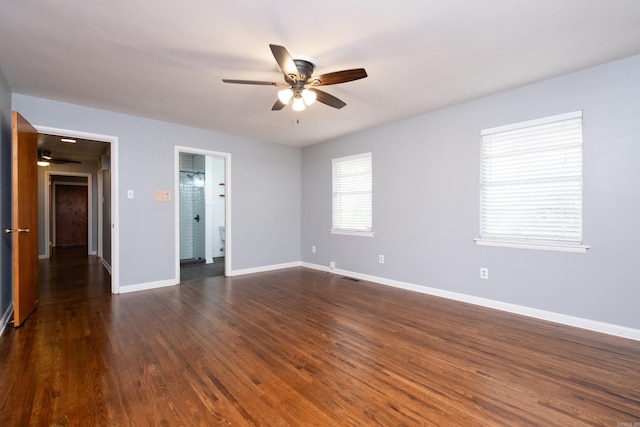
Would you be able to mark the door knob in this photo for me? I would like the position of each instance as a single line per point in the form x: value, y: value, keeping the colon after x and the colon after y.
x: 16, y: 230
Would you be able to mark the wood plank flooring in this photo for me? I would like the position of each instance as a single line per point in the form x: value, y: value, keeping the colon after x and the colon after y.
x: 299, y: 347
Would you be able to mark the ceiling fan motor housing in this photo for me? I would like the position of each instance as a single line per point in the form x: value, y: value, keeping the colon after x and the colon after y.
x: 305, y: 70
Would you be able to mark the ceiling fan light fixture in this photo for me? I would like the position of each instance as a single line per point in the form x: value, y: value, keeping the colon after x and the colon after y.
x: 298, y: 104
x: 298, y: 73
x: 68, y: 140
x: 285, y: 95
x: 308, y: 96
x: 43, y: 158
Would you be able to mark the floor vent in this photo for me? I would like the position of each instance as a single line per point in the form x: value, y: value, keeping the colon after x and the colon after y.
x: 353, y: 279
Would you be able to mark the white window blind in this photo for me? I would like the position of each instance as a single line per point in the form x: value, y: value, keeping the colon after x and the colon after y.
x: 352, y: 194
x: 531, y: 182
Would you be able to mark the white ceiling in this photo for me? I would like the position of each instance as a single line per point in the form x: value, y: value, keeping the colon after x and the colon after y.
x: 165, y: 60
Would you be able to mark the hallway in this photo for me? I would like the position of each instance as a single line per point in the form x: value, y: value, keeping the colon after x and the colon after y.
x: 70, y: 274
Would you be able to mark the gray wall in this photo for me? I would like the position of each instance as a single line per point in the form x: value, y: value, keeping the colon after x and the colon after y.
x: 265, y: 182
x: 426, y: 201
x: 426, y: 196
x: 6, y: 259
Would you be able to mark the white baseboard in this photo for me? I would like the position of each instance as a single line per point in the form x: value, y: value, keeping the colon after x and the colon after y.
x: 5, y: 318
x: 148, y: 286
x: 592, y: 325
x: 172, y: 282
x: 43, y: 256
x: 265, y: 268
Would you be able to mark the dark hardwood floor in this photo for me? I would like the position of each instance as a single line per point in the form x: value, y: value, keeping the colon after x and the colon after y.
x: 299, y: 347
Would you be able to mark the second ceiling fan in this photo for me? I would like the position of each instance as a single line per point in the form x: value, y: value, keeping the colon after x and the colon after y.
x: 298, y: 76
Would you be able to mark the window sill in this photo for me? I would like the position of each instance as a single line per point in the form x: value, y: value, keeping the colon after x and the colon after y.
x: 557, y: 247
x: 353, y: 233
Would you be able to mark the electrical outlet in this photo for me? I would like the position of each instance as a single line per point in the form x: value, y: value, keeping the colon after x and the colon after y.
x: 484, y: 273
x: 381, y: 259
x: 332, y: 264
x: 313, y: 249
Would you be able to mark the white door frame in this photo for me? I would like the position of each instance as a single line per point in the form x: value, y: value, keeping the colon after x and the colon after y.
x: 115, y: 241
x: 100, y: 206
x: 227, y: 205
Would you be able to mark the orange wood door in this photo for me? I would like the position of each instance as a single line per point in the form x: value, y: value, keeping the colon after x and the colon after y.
x: 71, y: 212
x: 25, y: 218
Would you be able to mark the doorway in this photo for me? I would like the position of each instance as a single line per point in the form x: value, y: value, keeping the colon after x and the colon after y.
x: 90, y: 162
x: 69, y: 214
x: 194, y: 217
x: 202, y: 204
x: 68, y: 211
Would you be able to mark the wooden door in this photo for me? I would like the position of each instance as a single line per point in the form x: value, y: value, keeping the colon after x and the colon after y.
x: 71, y: 212
x: 25, y: 218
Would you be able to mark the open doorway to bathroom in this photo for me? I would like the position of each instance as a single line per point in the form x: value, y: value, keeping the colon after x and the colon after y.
x: 202, y: 215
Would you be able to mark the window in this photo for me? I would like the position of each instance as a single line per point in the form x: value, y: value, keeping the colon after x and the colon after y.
x: 352, y: 195
x: 531, y: 184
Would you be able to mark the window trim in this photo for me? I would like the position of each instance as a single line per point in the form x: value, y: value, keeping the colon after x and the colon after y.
x: 556, y: 247
x: 352, y: 233
x: 532, y: 243
x: 348, y: 232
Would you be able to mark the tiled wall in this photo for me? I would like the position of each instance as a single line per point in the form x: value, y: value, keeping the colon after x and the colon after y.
x: 192, y: 203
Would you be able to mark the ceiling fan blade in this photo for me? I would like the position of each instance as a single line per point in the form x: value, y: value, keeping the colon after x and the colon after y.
x: 328, y: 99
x: 338, y: 77
x: 254, y: 82
x: 64, y: 161
x: 279, y: 105
x: 285, y: 61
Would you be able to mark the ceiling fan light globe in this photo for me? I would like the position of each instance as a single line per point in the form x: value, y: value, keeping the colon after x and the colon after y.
x: 43, y: 163
x: 298, y: 104
x: 285, y: 95
x: 308, y: 96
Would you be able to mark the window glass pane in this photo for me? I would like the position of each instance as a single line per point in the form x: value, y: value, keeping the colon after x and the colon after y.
x: 352, y: 193
x: 531, y: 181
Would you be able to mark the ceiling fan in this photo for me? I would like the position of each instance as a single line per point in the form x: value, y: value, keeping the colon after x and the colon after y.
x: 298, y: 76
x: 44, y: 156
